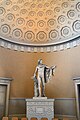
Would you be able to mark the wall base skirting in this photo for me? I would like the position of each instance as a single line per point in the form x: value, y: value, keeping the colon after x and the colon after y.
x: 56, y: 115
x: 63, y: 107
x: 18, y: 115
x: 64, y: 116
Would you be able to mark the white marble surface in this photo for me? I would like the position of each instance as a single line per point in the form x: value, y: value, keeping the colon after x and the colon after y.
x: 39, y: 98
x: 40, y: 108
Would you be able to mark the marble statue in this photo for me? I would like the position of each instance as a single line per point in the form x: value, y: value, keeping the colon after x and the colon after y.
x: 41, y: 76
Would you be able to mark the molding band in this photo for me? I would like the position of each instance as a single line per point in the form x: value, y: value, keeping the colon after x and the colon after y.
x: 35, y: 48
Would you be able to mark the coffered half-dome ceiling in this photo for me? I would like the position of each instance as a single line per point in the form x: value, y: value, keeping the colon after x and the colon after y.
x: 39, y: 25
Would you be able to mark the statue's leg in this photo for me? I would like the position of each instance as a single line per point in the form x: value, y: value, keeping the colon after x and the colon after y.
x: 35, y: 89
x: 39, y: 88
x: 43, y: 88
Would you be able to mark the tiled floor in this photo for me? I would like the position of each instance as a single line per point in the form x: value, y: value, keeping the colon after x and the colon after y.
x: 16, y: 118
x: 68, y: 119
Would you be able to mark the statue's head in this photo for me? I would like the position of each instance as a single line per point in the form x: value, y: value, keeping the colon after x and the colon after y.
x: 39, y: 61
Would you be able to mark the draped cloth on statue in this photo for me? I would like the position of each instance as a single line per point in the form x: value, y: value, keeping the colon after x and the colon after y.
x: 48, y: 72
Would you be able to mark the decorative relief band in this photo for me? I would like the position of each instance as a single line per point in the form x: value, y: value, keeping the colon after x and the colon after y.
x: 47, y: 48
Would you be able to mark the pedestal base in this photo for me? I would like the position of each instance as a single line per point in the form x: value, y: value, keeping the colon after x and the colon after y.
x: 38, y: 98
x: 40, y: 108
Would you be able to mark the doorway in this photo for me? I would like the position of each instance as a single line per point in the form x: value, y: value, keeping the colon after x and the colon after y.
x: 3, y: 89
x: 4, y: 95
x: 77, y: 91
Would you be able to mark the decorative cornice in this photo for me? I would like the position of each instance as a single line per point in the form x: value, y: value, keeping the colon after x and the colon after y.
x: 6, y: 79
x: 35, y: 48
x: 76, y: 78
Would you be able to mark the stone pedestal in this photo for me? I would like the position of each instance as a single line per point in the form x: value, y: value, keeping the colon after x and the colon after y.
x: 40, y: 107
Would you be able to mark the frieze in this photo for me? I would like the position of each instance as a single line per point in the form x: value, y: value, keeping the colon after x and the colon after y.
x: 36, y: 48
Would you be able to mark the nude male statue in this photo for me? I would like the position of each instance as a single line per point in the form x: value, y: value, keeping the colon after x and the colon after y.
x: 41, y: 76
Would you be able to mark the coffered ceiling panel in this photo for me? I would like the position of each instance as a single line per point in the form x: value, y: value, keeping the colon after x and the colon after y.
x: 39, y: 23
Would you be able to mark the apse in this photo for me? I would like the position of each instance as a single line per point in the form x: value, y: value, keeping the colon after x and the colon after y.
x: 39, y: 25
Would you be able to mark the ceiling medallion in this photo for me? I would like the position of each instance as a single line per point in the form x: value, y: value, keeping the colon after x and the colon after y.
x: 39, y: 24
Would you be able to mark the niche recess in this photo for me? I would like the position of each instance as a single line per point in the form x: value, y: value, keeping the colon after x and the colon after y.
x: 77, y: 91
x: 4, y: 95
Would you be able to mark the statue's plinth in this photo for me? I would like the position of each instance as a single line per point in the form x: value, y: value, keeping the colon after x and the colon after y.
x: 40, y: 107
x: 39, y: 98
